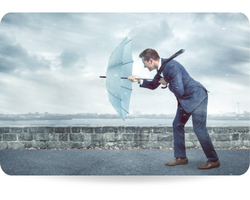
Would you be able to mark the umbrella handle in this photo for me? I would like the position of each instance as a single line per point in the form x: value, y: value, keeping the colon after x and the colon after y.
x: 140, y: 78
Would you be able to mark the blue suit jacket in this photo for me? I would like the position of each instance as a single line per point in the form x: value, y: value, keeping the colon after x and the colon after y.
x: 189, y: 92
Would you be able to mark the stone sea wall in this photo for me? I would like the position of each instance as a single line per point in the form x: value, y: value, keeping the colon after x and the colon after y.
x: 115, y: 137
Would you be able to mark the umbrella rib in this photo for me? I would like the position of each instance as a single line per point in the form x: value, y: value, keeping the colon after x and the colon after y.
x: 127, y: 42
x: 122, y: 63
x: 114, y: 95
x: 126, y: 88
x: 127, y: 62
x: 125, y: 110
x: 116, y: 64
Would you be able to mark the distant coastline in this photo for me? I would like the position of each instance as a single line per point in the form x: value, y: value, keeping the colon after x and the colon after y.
x: 68, y: 117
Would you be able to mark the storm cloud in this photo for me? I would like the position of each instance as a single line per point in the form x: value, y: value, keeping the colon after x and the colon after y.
x: 15, y: 58
x: 57, y: 58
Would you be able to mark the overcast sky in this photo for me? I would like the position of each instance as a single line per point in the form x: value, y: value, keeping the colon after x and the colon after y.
x: 52, y: 62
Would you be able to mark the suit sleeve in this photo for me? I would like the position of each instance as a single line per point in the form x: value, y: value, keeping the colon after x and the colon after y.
x: 151, y: 84
x: 176, y: 84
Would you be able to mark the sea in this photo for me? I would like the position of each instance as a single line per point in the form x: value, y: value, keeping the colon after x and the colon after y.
x: 136, y: 121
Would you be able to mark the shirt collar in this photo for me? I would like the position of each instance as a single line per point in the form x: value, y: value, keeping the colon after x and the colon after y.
x: 159, y: 64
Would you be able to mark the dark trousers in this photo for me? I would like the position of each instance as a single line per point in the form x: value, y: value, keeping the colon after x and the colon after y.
x: 199, y: 117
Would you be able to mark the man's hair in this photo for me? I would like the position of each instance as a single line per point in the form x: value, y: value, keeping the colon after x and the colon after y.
x: 149, y: 53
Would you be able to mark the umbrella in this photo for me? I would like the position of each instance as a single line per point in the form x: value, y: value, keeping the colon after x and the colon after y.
x: 119, y: 68
x: 118, y: 86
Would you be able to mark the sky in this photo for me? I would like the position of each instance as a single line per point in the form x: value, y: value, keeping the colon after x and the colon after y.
x: 51, y: 62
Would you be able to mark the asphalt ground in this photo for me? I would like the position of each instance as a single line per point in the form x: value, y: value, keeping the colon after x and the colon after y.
x: 118, y: 162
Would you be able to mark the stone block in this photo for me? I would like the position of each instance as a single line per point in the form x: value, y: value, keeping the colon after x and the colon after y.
x: 29, y: 144
x: 75, y: 129
x: 97, y: 137
x: 41, y: 137
x: 60, y: 130
x: 76, y: 137
x: 131, y: 129
x: 9, y: 137
x: 49, y: 130
x: 245, y: 136
x: 109, y: 129
x: 154, y: 145
x: 121, y: 129
x: 222, y: 137
x: 34, y: 130
x: 25, y: 137
x: 68, y: 129
x: 221, y: 144
x: 217, y: 144
x: 53, y: 145
x: 76, y: 145
x: 66, y: 145
x: 190, y: 144
x: 246, y: 143
x: 97, y: 144
x: 220, y: 130
x: 16, y: 130
x: 98, y: 130
x: 170, y: 129
x: 159, y: 129
x: 127, y: 137
x: 213, y: 136
x: 39, y: 144
x: 243, y: 129
x: 225, y: 144
x: 110, y: 137
x: 63, y: 137
x: 88, y: 129
x: 4, y: 130
x: 236, y: 144
x: 189, y: 130
x: 118, y: 136
x: 209, y: 130
x: 16, y: 145
x: 145, y: 130
x: 197, y: 144
x: 165, y: 137
x: 3, y: 145
x: 191, y: 137
x: 140, y: 144
x: 165, y: 144
x: 110, y: 145
x: 53, y: 137
x: 141, y: 137
x: 124, y: 144
x: 235, y: 136
x: 154, y: 137
x: 86, y: 144
x: 232, y: 129
x: 87, y: 136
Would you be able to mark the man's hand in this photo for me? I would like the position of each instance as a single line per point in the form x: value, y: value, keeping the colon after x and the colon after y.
x: 134, y: 78
x: 162, y: 81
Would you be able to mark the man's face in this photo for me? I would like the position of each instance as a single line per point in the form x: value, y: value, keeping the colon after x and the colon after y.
x: 149, y: 64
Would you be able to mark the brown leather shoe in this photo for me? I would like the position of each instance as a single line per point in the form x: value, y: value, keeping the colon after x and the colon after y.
x: 209, y: 165
x: 178, y: 161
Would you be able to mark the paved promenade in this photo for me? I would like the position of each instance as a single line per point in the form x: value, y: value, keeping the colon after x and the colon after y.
x: 117, y: 162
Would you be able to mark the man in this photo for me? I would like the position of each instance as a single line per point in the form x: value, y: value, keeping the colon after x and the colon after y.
x: 192, y: 100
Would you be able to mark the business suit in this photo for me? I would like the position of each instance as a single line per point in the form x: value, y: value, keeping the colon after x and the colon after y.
x: 192, y: 100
